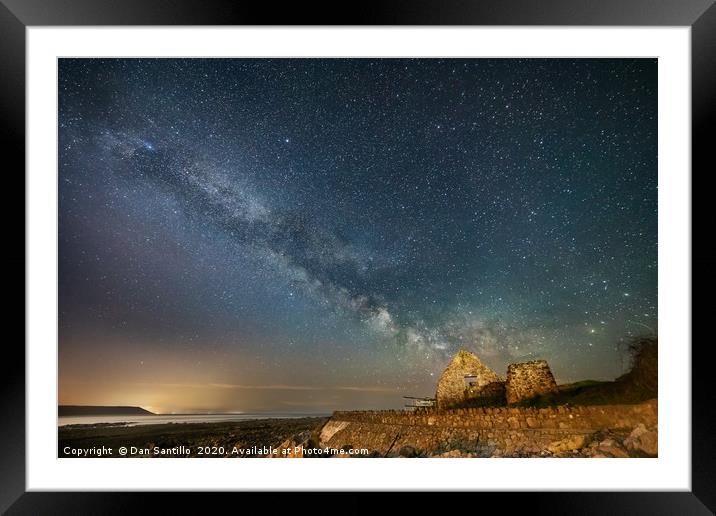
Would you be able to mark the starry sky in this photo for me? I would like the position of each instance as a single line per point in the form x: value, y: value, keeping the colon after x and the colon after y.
x: 304, y: 235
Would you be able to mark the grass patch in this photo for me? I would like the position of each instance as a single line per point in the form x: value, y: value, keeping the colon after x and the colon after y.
x: 638, y: 385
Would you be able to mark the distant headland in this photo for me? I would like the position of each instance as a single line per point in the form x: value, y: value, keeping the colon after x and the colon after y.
x: 99, y: 410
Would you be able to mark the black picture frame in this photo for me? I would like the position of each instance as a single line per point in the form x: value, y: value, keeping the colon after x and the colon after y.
x: 700, y: 15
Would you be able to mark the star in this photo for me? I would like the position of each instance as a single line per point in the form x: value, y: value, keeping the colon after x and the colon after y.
x: 333, y: 223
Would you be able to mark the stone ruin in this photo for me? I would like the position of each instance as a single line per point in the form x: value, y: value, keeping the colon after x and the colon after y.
x: 466, y: 378
x: 468, y: 382
x: 529, y: 379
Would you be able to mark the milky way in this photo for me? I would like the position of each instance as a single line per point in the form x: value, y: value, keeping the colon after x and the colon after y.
x: 312, y: 234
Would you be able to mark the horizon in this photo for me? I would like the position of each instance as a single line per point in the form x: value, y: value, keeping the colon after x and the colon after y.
x: 234, y: 411
x: 297, y: 235
x: 152, y: 412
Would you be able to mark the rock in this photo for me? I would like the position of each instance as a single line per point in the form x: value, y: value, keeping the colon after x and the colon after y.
x: 289, y: 449
x: 451, y: 454
x: 607, y: 448
x: 574, y: 442
x: 643, y: 441
x: 615, y: 451
x: 293, y: 447
x: 408, y: 451
x: 330, y: 429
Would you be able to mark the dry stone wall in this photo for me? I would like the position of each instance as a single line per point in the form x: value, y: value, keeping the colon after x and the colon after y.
x: 488, y: 432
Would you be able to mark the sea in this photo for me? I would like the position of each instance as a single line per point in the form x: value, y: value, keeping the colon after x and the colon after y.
x: 159, y: 419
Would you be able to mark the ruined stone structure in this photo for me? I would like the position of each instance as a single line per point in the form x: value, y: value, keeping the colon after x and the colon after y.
x: 490, y: 395
x: 471, y: 420
x: 489, y: 432
x: 529, y: 379
x: 465, y: 378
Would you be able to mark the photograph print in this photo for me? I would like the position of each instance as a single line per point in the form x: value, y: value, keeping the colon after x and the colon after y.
x: 357, y: 258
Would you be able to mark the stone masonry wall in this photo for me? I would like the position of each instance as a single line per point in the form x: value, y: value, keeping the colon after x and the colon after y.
x: 485, y: 432
x: 451, y: 389
x: 529, y: 379
x: 492, y: 394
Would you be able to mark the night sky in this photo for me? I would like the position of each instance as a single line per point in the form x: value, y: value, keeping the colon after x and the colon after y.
x: 303, y: 235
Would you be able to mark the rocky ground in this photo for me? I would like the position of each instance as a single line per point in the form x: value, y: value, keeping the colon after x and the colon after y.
x: 197, y: 439
x: 254, y: 437
x: 640, y: 442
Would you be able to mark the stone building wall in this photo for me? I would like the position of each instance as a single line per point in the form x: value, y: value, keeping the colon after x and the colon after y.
x: 529, y: 379
x: 451, y: 389
x: 496, y: 431
x: 492, y: 394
